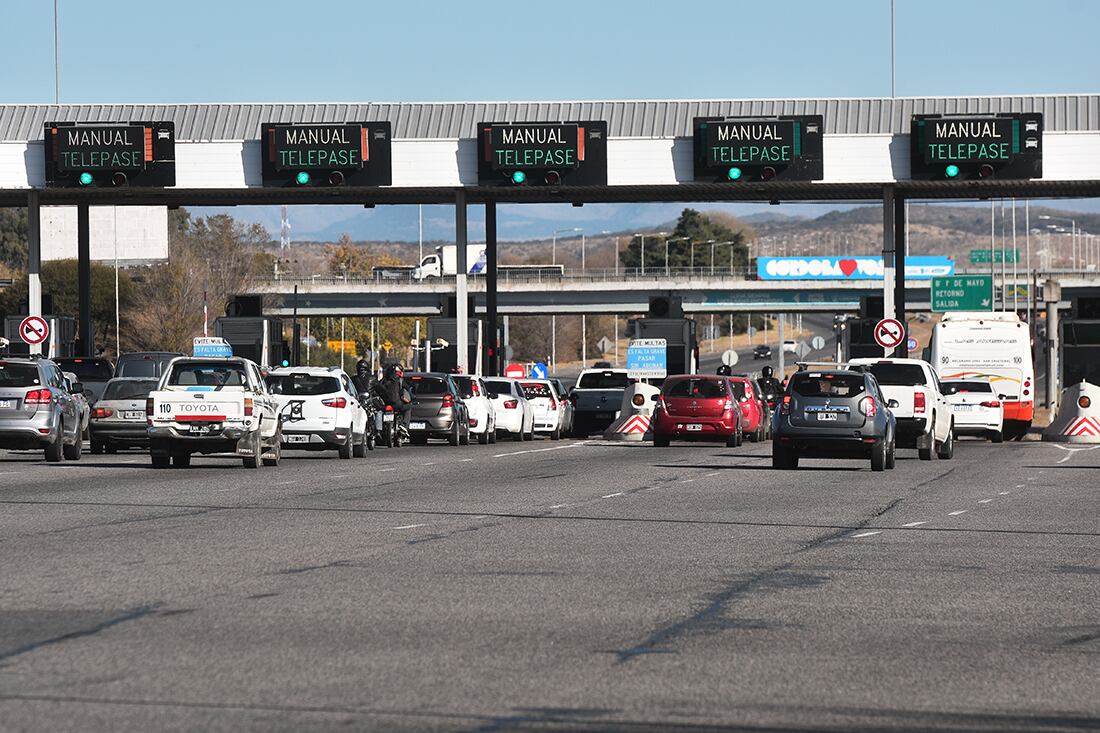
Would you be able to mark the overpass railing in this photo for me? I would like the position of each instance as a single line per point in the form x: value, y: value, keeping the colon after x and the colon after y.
x: 533, y: 274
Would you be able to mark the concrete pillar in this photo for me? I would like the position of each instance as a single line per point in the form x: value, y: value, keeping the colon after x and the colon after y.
x: 84, y: 280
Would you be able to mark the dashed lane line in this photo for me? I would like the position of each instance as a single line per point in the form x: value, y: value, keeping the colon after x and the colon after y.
x: 866, y: 534
x: 914, y: 524
x: 984, y: 501
x: 956, y: 513
x: 409, y: 526
x: 617, y: 493
x: 540, y: 450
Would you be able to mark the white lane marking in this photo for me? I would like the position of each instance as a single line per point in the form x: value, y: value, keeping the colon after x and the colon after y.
x: 1019, y: 486
x: 539, y: 450
x: 8, y: 473
x: 430, y: 463
x: 711, y: 474
x: 687, y: 480
x: 466, y: 460
x: 559, y: 506
x: 1070, y: 450
x: 409, y: 526
x: 340, y: 475
x: 955, y: 514
x: 384, y: 470
x: 1002, y: 493
x: 617, y: 493
x: 287, y: 483
x: 866, y: 534
x: 914, y: 524
x: 984, y: 501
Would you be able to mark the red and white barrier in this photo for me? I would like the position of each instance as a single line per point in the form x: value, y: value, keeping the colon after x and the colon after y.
x: 635, y: 415
x: 1078, y: 418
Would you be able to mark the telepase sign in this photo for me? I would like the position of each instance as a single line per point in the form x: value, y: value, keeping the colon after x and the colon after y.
x: 849, y: 268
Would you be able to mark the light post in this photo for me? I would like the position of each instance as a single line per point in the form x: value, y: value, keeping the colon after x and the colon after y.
x: 1073, y: 233
x: 714, y: 244
x: 641, y: 238
x: 554, y: 245
x: 691, y: 248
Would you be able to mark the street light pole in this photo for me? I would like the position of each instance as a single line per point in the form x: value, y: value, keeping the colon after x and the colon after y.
x: 1073, y: 234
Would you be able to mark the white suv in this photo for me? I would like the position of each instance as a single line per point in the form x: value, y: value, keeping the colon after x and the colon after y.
x: 319, y: 410
x: 479, y: 403
x: 513, y: 412
x: 549, y: 410
x: 924, y: 418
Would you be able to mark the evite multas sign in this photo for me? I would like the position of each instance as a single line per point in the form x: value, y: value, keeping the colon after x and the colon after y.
x: 110, y: 154
x: 849, y: 268
x: 965, y: 147
x: 746, y: 149
x: 324, y: 154
x: 542, y: 153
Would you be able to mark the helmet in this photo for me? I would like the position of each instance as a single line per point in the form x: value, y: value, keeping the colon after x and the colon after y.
x: 767, y: 372
x: 362, y: 367
x: 724, y: 371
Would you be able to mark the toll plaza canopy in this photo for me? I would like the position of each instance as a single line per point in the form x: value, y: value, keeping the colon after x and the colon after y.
x: 865, y: 145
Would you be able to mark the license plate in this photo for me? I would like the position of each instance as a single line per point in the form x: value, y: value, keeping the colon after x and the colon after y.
x: 605, y: 415
x: 830, y: 416
x: 693, y: 427
x: 296, y: 438
x: 418, y: 426
x: 962, y: 408
x: 7, y: 404
x: 133, y: 415
x: 387, y: 417
x: 205, y: 428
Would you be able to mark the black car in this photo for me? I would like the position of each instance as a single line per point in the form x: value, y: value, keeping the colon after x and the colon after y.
x: 763, y: 351
x: 833, y: 414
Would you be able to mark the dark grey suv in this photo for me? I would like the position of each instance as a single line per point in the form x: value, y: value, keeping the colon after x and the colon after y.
x: 37, y: 410
x: 833, y: 414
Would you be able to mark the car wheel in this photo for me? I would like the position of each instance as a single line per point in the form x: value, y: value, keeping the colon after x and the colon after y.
x: 55, y: 451
x: 346, y: 448
x: 661, y: 441
x: 518, y: 437
x: 464, y: 439
x: 878, y: 456
x: 947, y: 447
x: 181, y: 460
x: 732, y: 442
x: 359, y: 450
x: 97, y: 447
x: 453, y: 438
x: 555, y: 434
x: 891, y: 456
x: 72, y: 452
x: 492, y: 436
x: 483, y: 438
x: 925, y: 454
x: 740, y: 437
x: 254, y: 460
x: 996, y: 436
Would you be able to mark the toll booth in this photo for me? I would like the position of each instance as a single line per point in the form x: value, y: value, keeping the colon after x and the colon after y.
x: 445, y: 359
x: 257, y: 338
x: 665, y: 321
x: 859, y: 333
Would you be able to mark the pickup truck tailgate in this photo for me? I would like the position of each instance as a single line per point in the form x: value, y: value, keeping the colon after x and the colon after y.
x: 196, y: 406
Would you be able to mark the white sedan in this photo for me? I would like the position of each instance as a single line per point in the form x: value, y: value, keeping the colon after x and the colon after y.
x: 977, y: 409
x: 479, y: 403
x: 513, y: 411
x: 549, y: 410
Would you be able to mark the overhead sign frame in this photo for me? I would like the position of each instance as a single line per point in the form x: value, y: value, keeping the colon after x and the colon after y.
x: 756, y: 149
x: 1007, y: 145
x: 542, y: 154
x: 326, y: 154
x: 110, y: 154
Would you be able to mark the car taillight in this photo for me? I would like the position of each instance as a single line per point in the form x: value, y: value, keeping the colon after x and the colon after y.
x: 389, y: 408
x: 37, y: 397
x: 868, y: 406
x: 248, y: 407
x: 638, y: 400
x: 992, y: 403
x: 1027, y: 382
x: 476, y: 389
x: 148, y: 407
x: 338, y: 402
x: 101, y: 412
x: 785, y: 408
x: 473, y: 422
x: 918, y: 403
x: 511, y: 404
x: 448, y: 400
x: 553, y: 404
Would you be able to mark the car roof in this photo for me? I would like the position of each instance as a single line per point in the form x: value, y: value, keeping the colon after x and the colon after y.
x: 831, y: 372
x: 133, y: 379
x: 863, y: 360
x: 311, y: 370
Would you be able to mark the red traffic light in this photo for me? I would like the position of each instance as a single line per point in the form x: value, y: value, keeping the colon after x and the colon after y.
x: 336, y: 178
x: 118, y: 178
x: 985, y: 170
x: 552, y: 178
x: 767, y: 174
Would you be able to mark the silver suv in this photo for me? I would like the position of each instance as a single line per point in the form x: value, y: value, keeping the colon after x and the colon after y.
x: 37, y: 409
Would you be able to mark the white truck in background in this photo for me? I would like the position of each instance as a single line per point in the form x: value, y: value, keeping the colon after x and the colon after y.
x: 444, y: 263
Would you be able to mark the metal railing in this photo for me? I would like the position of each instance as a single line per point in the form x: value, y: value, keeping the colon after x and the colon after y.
x: 534, y: 274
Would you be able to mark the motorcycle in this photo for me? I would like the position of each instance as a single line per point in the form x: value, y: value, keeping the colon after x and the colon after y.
x: 386, y: 426
x: 369, y: 406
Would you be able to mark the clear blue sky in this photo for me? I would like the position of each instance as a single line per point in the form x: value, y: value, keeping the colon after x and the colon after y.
x: 429, y: 50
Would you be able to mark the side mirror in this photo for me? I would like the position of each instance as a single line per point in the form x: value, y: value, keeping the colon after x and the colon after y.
x: 892, y: 404
x: 77, y: 388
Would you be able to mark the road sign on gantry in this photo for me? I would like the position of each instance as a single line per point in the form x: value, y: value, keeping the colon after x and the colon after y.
x: 889, y: 332
x: 969, y: 147
x: 542, y: 154
x: 34, y: 330
x: 87, y: 155
x: 325, y: 155
x: 754, y: 149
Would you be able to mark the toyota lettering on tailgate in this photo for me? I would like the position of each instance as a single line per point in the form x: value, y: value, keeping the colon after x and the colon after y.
x: 195, y: 411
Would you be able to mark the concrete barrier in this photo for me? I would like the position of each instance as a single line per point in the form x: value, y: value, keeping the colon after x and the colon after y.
x: 633, y: 423
x: 1078, y: 417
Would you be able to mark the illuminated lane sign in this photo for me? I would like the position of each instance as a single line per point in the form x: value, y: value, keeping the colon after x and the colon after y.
x: 542, y: 153
x: 110, y: 154
x: 353, y: 154
x: 535, y: 146
x: 980, y: 146
x: 740, y: 149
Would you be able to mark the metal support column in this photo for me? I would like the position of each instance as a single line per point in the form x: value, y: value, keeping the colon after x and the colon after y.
x: 462, y: 302
x: 888, y: 206
x: 900, y: 249
x: 1052, y: 293
x: 34, y: 255
x: 84, y: 279
x: 491, y: 344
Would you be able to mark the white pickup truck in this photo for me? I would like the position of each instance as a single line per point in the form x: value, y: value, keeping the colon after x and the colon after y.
x: 213, y: 405
x: 924, y: 417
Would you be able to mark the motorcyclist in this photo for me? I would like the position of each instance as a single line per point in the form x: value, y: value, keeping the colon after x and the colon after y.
x: 394, y: 394
x: 770, y: 386
x: 725, y: 370
x: 364, y: 378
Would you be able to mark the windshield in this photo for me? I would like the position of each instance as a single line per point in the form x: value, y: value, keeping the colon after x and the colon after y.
x: 696, y: 388
x: 88, y: 370
x: 535, y: 389
x: 18, y: 375
x: 899, y: 375
x: 207, y: 374
x: 950, y: 388
x: 129, y: 390
x: 738, y: 390
x: 827, y: 385
x: 426, y: 385
x: 603, y: 380
x: 302, y: 385
x: 467, y: 386
x: 498, y: 387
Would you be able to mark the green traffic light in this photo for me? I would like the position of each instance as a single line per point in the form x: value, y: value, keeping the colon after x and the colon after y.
x: 734, y: 174
x: 286, y: 363
x: 952, y: 171
x: 303, y: 178
x: 519, y: 177
x: 86, y: 179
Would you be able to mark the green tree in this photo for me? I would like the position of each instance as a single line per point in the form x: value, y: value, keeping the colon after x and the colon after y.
x: 693, y: 229
x: 13, y: 238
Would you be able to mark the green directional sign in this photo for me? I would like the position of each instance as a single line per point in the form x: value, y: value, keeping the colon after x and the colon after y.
x: 985, y: 256
x: 962, y: 293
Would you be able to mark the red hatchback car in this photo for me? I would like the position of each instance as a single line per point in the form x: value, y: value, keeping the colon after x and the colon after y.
x: 753, y: 413
x: 692, y: 407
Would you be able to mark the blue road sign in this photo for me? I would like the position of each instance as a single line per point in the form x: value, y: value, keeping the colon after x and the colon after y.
x: 911, y: 344
x: 647, y: 359
x: 212, y: 346
x: 538, y: 370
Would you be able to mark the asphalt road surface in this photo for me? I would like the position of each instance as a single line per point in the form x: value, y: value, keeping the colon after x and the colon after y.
x: 553, y: 586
